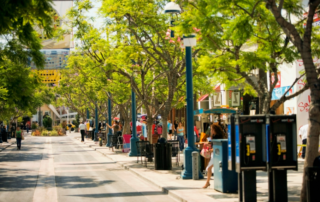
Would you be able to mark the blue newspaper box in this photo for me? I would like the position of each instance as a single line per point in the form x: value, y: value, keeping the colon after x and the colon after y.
x: 225, y: 181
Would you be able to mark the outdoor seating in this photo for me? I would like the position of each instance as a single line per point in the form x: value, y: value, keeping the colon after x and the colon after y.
x: 116, y: 141
x: 175, y: 150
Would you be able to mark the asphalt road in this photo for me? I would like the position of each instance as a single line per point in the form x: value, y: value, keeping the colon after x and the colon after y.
x: 57, y: 169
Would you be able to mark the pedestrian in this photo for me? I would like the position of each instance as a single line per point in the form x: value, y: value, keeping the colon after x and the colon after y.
x: 13, y: 130
x: 216, y: 133
x: 169, y: 129
x: 4, y: 134
x: 69, y: 127
x: 181, y: 136
x: 19, y: 136
x: 82, y: 128
x: 303, y: 132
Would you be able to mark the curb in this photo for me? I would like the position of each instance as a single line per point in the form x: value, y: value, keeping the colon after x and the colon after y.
x: 164, y: 189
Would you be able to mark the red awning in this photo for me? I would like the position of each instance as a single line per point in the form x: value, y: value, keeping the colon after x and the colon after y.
x: 217, y: 87
x: 203, y: 97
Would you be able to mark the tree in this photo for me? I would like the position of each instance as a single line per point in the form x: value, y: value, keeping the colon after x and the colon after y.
x: 24, y: 92
x: 159, y: 60
x: 240, y: 37
x: 47, y: 122
x: 302, y: 39
x: 20, y: 90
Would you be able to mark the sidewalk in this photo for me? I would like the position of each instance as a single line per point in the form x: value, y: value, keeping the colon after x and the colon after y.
x: 189, y: 190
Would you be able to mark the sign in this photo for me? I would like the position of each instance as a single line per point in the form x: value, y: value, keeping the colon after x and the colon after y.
x: 196, y: 112
x: 277, y: 93
x: 289, y: 110
x: 278, y: 85
x: 235, y: 99
x: 217, y: 100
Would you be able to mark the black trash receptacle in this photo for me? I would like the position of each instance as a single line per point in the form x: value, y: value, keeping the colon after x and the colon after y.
x: 313, y: 181
x: 162, y: 156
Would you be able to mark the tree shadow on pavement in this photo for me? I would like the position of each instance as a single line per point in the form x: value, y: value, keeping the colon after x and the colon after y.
x: 23, y: 182
x: 120, y: 194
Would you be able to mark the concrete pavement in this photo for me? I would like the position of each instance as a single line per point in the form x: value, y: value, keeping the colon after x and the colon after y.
x: 190, y: 190
x: 59, y: 169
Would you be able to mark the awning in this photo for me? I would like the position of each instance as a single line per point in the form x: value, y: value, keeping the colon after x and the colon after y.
x: 217, y: 87
x: 203, y: 97
x: 220, y: 111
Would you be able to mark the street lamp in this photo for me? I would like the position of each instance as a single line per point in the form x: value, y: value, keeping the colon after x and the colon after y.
x: 188, y: 42
x: 109, y: 136
x: 88, y: 115
x: 96, y: 124
x: 134, y: 139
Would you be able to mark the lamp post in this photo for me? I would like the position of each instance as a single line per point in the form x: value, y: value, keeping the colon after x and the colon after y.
x: 188, y: 42
x: 134, y: 139
x: 88, y: 115
x: 96, y: 124
x: 109, y: 122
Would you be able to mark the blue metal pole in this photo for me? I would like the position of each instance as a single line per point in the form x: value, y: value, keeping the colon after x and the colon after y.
x: 109, y: 122
x: 96, y: 124
x: 88, y: 116
x: 134, y: 139
x: 187, y: 172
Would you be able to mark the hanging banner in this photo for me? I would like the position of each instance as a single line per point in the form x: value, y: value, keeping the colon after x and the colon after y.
x: 277, y: 93
x: 235, y: 99
x: 217, y: 99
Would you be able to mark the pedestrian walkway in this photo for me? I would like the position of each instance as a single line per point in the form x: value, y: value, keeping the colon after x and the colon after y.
x: 189, y: 190
x: 55, y: 169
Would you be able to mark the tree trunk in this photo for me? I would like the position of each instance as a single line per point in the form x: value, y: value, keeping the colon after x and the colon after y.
x: 149, y: 127
x: 164, y: 117
x: 314, y: 120
x: 126, y: 125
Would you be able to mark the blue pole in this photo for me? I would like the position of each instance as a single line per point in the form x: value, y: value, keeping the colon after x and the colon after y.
x: 96, y: 124
x: 187, y: 172
x: 88, y: 116
x: 109, y: 122
x: 134, y: 139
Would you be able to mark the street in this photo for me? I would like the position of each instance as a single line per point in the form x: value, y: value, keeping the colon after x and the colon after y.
x: 57, y: 169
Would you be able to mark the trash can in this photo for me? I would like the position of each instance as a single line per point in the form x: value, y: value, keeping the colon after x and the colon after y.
x: 225, y: 181
x: 313, y: 181
x: 162, y: 156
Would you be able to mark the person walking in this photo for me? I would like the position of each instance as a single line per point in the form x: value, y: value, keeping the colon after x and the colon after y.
x: 4, y: 134
x: 216, y: 133
x: 169, y: 129
x: 19, y: 135
x: 69, y: 126
x: 303, y: 132
x: 82, y: 128
x: 181, y: 136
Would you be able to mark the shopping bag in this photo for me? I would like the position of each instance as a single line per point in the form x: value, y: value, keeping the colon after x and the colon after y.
x: 22, y: 137
x: 205, y: 152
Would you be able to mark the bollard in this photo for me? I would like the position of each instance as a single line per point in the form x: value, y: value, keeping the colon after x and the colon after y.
x: 195, y: 165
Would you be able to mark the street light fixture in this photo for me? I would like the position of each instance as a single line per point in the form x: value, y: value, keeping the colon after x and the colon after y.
x: 188, y: 42
x: 134, y: 139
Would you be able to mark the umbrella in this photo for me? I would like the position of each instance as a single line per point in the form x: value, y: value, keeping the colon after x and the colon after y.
x: 116, y: 118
